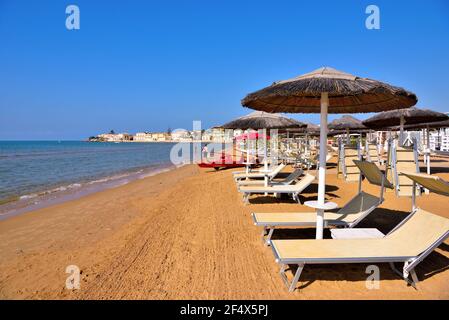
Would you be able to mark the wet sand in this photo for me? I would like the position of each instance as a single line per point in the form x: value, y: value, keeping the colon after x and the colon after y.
x: 186, y: 234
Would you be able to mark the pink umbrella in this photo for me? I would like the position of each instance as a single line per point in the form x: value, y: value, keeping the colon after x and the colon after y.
x: 251, y: 136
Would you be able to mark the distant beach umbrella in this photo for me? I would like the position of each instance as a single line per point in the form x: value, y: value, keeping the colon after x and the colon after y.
x: 324, y: 91
x: 347, y: 124
x: 424, y: 125
x: 263, y: 120
x: 402, y: 117
x: 252, y: 136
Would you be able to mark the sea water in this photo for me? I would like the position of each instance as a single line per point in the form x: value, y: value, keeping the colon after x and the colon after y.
x: 37, y: 172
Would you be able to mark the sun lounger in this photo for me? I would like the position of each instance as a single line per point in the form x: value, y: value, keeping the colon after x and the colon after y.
x: 293, y: 189
x: 345, y: 164
x: 350, y: 170
x: 292, y: 177
x: 254, y: 175
x: 348, y: 216
x: 372, y: 153
x: 433, y: 183
x: 410, y: 243
x: 402, y: 159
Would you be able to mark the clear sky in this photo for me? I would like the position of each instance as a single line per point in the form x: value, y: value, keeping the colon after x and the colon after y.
x: 150, y: 65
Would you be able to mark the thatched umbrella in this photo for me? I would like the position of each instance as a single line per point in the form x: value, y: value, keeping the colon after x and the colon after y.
x: 263, y: 120
x: 401, y: 117
x: 347, y: 123
x: 324, y: 91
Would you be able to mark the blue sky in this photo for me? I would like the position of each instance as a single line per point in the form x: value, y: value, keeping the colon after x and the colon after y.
x: 150, y: 65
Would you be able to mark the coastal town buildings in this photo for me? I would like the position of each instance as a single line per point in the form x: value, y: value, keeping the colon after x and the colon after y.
x: 115, y: 137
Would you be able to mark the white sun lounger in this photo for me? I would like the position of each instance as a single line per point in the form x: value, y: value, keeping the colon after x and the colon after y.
x: 254, y: 175
x: 409, y: 243
x: 348, y: 216
x: 293, y: 189
x: 292, y: 177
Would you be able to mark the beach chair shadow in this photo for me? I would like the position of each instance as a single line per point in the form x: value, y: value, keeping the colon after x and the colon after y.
x: 434, y: 169
x: 312, y: 189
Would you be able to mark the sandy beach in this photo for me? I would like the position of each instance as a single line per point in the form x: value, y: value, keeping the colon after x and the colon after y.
x: 186, y: 234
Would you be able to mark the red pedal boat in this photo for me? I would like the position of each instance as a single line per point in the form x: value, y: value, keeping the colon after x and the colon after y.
x: 225, y: 161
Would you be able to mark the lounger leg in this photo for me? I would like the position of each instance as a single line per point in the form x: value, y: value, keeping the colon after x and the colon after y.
x: 245, y: 198
x: 404, y: 275
x: 291, y: 285
x: 296, y: 278
x: 268, y: 238
x: 415, y: 279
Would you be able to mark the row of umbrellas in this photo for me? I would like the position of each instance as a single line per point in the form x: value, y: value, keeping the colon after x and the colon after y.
x: 410, y: 118
x: 325, y: 91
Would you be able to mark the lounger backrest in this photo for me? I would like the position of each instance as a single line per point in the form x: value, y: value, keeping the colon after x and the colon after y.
x: 433, y: 183
x: 303, y: 183
x: 419, y: 232
x: 372, y: 153
x: 372, y: 173
x: 277, y: 170
x: 352, y: 172
x: 358, y: 205
x: 405, y: 161
x: 293, y: 176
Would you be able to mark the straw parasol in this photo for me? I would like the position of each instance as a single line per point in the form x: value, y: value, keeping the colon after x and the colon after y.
x: 324, y: 91
x: 263, y: 120
x: 401, y: 117
x: 348, y: 124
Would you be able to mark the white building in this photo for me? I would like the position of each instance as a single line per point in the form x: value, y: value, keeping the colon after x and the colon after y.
x: 143, y: 137
x: 181, y: 135
x: 114, y: 137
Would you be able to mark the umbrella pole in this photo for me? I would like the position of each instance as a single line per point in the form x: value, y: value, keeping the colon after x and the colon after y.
x: 322, y: 165
x: 247, y: 152
x: 265, y: 162
x: 427, y: 153
x: 348, y: 140
x: 401, y: 130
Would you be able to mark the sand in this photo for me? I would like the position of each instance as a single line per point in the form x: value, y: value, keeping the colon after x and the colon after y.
x: 186, y: 234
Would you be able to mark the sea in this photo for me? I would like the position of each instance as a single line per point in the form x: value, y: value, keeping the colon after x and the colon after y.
x: 35, y: 174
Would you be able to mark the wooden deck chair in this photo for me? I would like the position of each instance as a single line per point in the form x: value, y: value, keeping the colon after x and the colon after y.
x: 260, y: 174
x: 409, y: 243
x: 292, y: 189
x: 357, y: 209
x: 402, y: 159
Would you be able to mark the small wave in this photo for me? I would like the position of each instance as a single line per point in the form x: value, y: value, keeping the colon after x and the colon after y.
x: 28, y: 196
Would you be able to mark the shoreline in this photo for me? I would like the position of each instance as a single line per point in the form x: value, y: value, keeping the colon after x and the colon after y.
x: 75, y: 190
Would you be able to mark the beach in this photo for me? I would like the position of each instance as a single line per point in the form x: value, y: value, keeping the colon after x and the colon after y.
x: 186, y: 234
